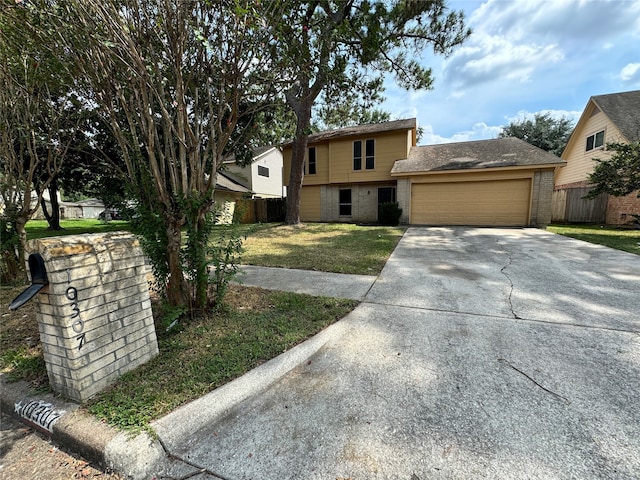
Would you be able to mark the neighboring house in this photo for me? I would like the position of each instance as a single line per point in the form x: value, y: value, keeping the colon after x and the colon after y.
x: 606, y: 119
x: 89, y: 208
x: 227, y: 195
x: 263, y: 176
x: 348, y: 172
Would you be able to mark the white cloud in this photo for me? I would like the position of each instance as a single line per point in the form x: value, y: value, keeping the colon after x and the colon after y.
x: 491, y: 58
x: 517, y: 40
x: 631, y: 73
x: 572, y: 21
x: 480, y: 131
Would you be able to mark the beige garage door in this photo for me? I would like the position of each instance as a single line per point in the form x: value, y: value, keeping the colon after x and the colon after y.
x: 494, y: 202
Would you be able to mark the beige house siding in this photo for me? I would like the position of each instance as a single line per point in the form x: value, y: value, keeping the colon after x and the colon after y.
x: 389, y: 147
x: 571, y: 181
x: 580, y: 162
x: 310, y: 205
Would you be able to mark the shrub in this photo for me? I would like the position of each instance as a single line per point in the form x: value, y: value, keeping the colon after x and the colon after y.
x: 389, y: 213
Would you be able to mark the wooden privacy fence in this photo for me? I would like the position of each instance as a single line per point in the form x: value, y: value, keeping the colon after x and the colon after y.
x: 263, y: 210
x: 569, y: 206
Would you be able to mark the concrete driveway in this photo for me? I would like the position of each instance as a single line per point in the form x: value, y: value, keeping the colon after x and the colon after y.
x: 477, y: 353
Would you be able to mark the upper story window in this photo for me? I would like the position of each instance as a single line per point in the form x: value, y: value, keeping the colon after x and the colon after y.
x: 312, y: 165
x: 596, y: 140
x: 369, y: 154
x: 263, y: 171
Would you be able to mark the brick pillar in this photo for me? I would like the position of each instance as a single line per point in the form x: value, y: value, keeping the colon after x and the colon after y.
x: 95, y: 316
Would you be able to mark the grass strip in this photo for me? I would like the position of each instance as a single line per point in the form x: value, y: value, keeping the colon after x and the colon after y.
x: 620, y: 238
x: 204, y: 355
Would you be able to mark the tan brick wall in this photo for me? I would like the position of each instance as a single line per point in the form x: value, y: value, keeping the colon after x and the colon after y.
x: 541, y: 198
x: 95, y: 316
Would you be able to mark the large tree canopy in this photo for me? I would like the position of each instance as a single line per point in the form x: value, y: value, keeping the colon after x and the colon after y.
x: 618, y: 175
x: 178, y: 83
x: 340, y: 47
x: 40, y: 114
x: 543, y: 131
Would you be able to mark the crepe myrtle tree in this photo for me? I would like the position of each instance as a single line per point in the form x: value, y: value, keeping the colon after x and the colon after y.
x: 40, y: 117
x: 175, y: 81
x: 345, y: 46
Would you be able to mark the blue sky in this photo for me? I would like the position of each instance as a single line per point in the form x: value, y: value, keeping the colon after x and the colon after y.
x: 523, y: 57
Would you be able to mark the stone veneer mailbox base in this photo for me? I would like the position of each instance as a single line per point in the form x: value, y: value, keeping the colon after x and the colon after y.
x: 95, y: 316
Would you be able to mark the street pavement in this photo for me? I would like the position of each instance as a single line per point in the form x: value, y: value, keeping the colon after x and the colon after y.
x: 477, y: 353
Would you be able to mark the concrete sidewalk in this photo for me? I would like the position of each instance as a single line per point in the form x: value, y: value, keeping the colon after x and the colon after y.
x: 477, y: 353
x: 324, y: 284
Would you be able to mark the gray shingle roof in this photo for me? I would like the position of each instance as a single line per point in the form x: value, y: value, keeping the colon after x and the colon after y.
x: 224, y: 182
x: 361, y: 130
x: 623, y: 109
x: 481, y: 154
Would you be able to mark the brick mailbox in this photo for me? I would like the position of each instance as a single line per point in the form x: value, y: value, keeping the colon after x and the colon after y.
x: 94, y: 315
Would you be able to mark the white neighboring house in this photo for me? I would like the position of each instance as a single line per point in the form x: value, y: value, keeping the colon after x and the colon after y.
x: 89, y: 208
x: 263, y: 177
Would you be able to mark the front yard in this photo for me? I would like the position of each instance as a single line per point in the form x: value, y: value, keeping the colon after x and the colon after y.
x: 203, y: 354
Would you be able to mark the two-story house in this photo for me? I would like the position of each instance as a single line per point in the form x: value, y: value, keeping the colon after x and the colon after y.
x: 347, y: 172
x: 350, y: 171
x: 612, y: 118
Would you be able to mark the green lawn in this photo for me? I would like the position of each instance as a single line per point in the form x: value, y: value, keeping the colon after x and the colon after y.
x: 619, y: 238
x: 327, y: 247
x: 40, y: 228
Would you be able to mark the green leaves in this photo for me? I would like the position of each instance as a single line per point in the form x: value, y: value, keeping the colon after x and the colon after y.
x: 620, y: 174
x: 544, y: 131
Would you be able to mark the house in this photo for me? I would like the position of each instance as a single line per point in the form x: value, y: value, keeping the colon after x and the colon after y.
x: 227, y: 196
x: 606, y: 119
x: 89, y: 208
x: 263, y: 176
x: 349, y: 172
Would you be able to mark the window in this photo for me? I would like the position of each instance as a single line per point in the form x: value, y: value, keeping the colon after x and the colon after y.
x: 345, y: 202
x: 369, y: 159
x: 357, y: 155
x: 312, y: 161
x: 263, y: 171
x: 596, y: 140
x: 386, y: 195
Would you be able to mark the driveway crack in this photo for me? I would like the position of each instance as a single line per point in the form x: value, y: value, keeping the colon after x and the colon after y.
x: 504, y: 272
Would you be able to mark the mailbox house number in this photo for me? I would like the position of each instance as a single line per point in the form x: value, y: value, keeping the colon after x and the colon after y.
x: 78, y: 324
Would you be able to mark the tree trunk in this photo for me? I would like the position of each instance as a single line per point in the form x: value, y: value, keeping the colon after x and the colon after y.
x: 177, y: 287
x: 53, y: 218
x: 296, y: 174
x: 21, y: 221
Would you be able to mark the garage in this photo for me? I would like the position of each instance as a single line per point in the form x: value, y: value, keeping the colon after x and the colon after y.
x: 487, y: 203
x: 498, y: 182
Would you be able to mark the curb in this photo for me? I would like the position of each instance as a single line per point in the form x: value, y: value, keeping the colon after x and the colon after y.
x: 178, y: 426
x: 70, y: 427
x: 142, y: 457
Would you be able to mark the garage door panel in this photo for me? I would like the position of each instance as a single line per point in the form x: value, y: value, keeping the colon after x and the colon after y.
x: 498, y: 202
